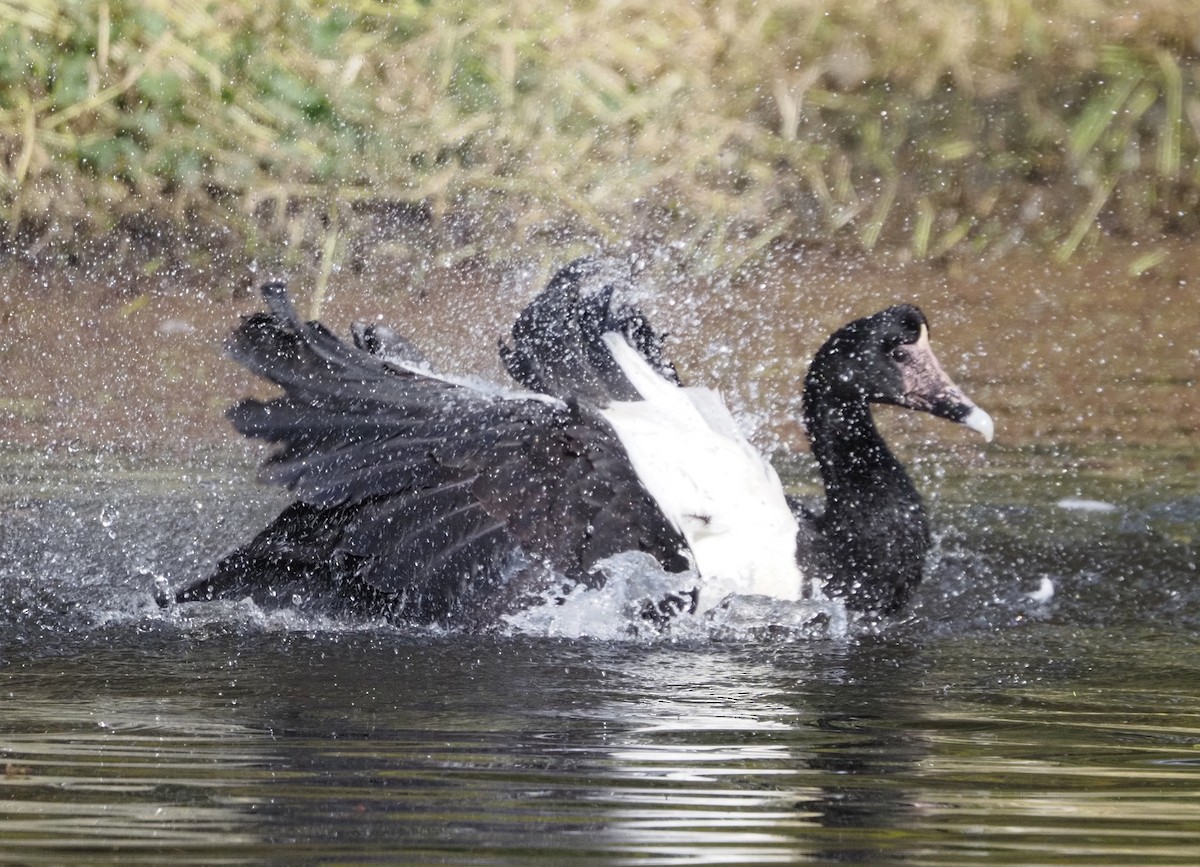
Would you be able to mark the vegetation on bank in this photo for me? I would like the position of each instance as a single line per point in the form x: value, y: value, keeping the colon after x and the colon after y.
x: 718, y: 126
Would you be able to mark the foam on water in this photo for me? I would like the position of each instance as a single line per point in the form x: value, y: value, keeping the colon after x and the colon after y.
x: 615, y: 611
x: 635, y: 580
x: 62, y: 574
x: 1081, y: 504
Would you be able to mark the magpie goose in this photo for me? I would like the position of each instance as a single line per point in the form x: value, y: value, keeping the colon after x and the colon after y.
x: 423, y: 497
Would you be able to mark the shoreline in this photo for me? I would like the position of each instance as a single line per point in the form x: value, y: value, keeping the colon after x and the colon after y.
x: 1080, y: 353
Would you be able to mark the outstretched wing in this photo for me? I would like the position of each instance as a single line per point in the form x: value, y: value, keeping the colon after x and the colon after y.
x: 421, y: 488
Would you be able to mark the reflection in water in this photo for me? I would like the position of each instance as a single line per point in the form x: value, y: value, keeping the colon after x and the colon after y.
x: 1021, y: 800
x: 723, y: 754
x: 127, y: 774
x: 285, y: 746
x: 973, y: 730
x: 699, y: 764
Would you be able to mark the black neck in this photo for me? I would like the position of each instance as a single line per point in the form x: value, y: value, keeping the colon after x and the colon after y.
x: 874, y: 529
x: 852, y: 455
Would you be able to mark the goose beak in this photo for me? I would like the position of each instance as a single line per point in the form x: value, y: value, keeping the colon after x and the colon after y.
x: 929, y: 389
x: 978, y: 420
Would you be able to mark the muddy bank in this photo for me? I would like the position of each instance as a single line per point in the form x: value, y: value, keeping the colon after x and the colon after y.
x: 1089, y: 355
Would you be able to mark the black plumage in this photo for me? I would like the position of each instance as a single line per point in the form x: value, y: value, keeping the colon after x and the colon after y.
x: 416, y: 496
x: 424, y: 499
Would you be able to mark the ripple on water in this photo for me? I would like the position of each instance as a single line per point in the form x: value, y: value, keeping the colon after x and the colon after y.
x: 985, y: 726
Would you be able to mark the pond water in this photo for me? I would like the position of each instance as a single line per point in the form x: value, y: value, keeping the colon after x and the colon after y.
x: 1039, y: 704
x: 988, y: 726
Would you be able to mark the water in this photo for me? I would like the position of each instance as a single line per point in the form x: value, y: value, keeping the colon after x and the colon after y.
x: 996, y: 724
x: 990, y: 726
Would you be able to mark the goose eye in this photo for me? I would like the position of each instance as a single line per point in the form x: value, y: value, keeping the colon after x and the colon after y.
x: 900, y: 354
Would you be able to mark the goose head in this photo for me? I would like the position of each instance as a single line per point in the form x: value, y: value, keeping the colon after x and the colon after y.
x: 886, y: 358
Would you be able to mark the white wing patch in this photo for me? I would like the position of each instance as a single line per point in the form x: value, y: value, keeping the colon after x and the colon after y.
x: 709, y: 481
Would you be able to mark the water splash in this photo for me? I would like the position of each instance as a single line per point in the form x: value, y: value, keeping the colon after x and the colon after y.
x: 635, y: 583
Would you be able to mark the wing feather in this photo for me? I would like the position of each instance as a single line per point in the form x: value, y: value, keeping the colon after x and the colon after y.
x: 414, y: 491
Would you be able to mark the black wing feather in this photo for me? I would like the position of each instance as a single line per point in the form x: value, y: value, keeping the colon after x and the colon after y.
x: 415, y: 492
x: 556, y: 341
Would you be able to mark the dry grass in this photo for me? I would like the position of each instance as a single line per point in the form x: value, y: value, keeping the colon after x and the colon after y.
x: 719, y: 127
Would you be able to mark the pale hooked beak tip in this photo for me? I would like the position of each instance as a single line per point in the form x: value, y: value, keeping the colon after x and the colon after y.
x: 978, y: 420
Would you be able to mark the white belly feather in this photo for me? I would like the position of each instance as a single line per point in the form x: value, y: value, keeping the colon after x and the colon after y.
x: 709, y: 481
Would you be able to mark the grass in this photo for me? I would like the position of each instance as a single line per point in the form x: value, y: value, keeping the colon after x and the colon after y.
x: 713, y: 129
